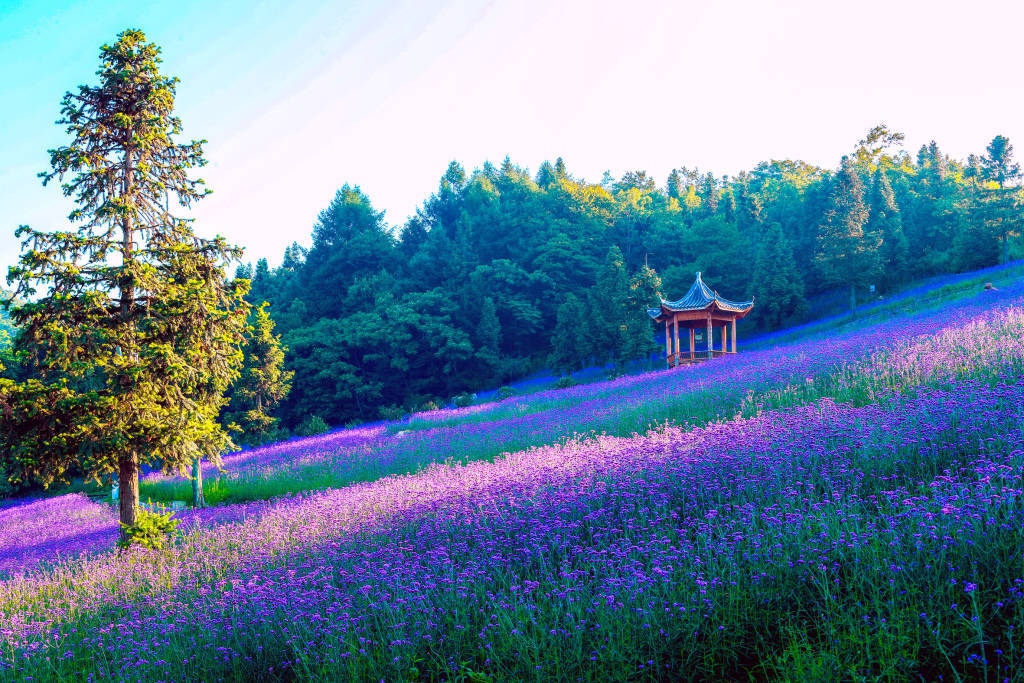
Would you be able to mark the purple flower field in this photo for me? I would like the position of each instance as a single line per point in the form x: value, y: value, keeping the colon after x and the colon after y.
x: 47, y: 528
x: 634, y: 404
x: 868, y: 524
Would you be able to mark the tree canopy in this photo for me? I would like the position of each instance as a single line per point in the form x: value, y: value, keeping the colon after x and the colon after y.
x: 127, y: 319
x: 501, y: 271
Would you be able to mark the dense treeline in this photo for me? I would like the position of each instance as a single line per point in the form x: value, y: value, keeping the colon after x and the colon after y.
x: 502, y: 271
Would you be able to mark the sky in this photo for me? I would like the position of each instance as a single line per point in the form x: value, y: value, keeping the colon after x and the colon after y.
x: 297, y: 98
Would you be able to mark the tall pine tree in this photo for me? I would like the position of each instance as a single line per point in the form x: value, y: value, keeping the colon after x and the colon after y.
x: 135, y: 330
x: 845, y: 254
x: 886, y: 224
x: 608, y: 304
x: 1001, y: 212
x: 778, y: 286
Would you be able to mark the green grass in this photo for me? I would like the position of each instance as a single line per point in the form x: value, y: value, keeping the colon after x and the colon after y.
x: 988, y: 351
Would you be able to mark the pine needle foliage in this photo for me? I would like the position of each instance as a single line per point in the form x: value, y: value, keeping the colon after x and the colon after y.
x: 263, y: 383
x: 129, y: 320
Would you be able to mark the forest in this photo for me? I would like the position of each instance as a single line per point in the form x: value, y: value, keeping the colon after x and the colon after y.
x: 503, y: 272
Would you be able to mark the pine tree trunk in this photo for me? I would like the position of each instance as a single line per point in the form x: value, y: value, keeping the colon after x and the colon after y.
x: 1006, y: 249
x: 198, y: 499
x: 853, y: 298
x: 128, y: 482
x: 129, y: 464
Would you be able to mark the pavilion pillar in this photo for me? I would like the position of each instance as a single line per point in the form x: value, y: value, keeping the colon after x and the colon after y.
x: 711, y: 341
x: 693, y: 342
x: 734, y: 335
x: 725, y: 345
x: 668, y: 345
x: 675, y: 325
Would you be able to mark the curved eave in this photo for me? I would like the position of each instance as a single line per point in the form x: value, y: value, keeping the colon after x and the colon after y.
x: 717, y: 305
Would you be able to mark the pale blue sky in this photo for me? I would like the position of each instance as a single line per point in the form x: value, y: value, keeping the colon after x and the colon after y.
x: 297, y: 98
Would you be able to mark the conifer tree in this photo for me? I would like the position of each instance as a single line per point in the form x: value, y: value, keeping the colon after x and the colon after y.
x: 777, y: 283
x: 608, y: 309
x: 675, y: 184
x: 644, y: 293
x: 886, y: 224
x: 560, y: 169
x: 709, y: 194
x: 133, y: 328
x: 998, y: 164
x: 726, y: 206
x: 263, y: 382
x: 845, y: 254
x: 488, y: 333
x: 568, y: 340
x: 546, y: 174
x: 1001, y: 212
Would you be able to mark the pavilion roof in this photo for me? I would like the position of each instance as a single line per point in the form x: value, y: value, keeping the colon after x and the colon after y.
x: 698, y: 298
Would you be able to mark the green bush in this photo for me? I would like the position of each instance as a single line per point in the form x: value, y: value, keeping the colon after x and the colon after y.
x: 7, y: 489
x: 505, y: 392
x: 565, y: 382
x: 462, y: 400
x: 151, y: 529
x: 429, y: 405
x: 392, y: 413
x: 311, y: 426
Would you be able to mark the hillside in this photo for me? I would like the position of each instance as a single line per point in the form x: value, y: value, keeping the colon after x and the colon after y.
x: 844, y: 499
x: 502, y: 272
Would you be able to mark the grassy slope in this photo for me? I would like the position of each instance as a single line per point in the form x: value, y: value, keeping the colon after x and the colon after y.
x: 821, y: 543
x: 797, y: 374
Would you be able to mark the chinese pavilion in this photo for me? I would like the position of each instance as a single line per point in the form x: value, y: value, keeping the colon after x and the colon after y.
x: 700, y: 308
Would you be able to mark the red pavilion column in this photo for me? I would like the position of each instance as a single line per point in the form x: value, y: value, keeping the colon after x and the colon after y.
x: 675, y: 327
x: 711, y: 340
x: 668, y: 345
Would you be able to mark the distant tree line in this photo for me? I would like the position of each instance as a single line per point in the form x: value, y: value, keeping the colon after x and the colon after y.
x: 502, y: 272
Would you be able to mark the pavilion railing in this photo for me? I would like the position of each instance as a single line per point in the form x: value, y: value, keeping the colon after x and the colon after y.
x: 685, y: 357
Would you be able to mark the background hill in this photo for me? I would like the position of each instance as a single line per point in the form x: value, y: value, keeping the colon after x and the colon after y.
x: 503, y: 272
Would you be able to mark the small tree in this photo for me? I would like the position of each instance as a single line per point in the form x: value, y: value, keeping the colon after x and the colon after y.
x: 135, y: 332
x: 644, y: 293
x: 263, y: 382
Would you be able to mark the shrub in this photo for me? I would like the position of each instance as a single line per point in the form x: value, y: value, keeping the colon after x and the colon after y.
x: 462, y: 400
x: 505, y: 392
x: 565, y: 382
x: 311, y: 426
x: 7, y: 489
x: 392, y: 413
x: 429, y: 405
x: 151, y: 529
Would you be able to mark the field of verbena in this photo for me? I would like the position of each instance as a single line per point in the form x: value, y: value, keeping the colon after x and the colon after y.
x: 879, y: 536
x: 849, y: 365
